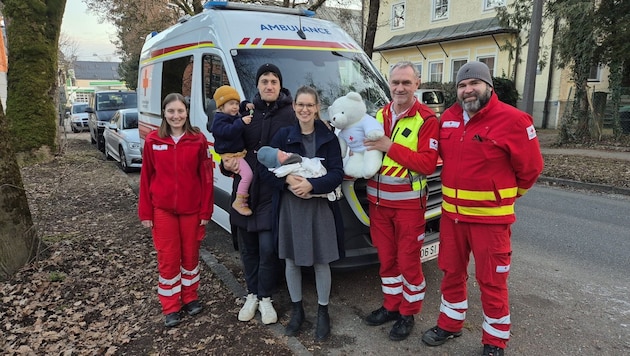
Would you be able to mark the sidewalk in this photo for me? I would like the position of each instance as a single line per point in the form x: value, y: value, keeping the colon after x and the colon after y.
x: 586, y: 152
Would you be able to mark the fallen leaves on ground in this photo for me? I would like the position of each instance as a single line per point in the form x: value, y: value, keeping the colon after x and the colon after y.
x: 93, y: 290
x: 606, y: 171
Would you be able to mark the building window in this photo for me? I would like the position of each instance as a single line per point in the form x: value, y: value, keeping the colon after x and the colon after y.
x: 595, y: 73
x: 489, y: 61
x: 419, y: 66
x: 440, y: 9
x: 457, y: 63
x: 398, y: 16
x: 491, y: 4
x: 436, y: 69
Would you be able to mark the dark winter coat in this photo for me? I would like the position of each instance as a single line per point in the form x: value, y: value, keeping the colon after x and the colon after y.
x: 266, y: 121
x: 289, y: 139
x: 227, y: 131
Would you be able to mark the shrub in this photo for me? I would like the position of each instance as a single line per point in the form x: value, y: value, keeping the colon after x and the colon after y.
x: 505, y: 89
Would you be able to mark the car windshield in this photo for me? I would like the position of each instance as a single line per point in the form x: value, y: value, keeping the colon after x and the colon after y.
x: 433, y: 97
x: 115, y: 101
x: 79, y: 108
x: 130, y: 120
x: 333, y: 73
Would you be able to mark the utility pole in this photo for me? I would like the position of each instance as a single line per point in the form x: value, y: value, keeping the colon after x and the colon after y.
x: 532, y: 57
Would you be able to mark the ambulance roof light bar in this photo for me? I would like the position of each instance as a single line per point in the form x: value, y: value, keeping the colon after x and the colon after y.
x: 251, y: 7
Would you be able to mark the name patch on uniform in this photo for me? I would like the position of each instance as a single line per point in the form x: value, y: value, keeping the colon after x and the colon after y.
x: 450, y: 124
x: 531, y: 132
x: 160, y: 147
x: 503, y: 269
x: 433, y: 144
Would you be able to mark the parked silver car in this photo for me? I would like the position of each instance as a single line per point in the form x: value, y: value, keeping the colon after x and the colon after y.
x: 78, y: 117
x: 122, y: 140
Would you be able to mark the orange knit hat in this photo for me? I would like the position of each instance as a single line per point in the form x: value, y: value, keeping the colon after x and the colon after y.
x: 224, y: 94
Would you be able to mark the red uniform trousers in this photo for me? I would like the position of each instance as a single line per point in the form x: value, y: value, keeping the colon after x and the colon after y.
x: 491, y: 248
x: 397, y: 235
x: 177, y: 239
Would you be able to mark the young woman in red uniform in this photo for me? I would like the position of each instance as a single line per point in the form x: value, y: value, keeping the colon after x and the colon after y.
x: 176, y: 203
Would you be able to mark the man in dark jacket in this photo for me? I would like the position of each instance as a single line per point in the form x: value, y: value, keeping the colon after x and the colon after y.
x: 272, y: 110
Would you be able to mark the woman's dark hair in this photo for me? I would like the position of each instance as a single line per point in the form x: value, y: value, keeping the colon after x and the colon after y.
x: 165, y: 128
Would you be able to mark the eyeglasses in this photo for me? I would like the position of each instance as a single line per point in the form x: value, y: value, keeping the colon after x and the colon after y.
x: 303, y: 106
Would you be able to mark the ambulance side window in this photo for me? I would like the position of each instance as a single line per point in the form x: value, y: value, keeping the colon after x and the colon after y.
x: 177, y: 76
x: 214, y: 76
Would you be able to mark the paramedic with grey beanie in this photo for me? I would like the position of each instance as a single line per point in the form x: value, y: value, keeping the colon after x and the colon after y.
x: 491, y: 157
x: 272, y: 108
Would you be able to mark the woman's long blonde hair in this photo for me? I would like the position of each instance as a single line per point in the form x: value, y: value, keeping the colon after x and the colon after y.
x: 305, y: 89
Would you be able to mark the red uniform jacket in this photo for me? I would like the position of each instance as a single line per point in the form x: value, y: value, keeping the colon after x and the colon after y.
x: 177, y: 178
x: 488, y: 163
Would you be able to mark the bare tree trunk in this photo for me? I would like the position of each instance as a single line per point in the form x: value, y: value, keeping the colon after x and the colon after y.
x: 18, y: 241
x: 370, y: 29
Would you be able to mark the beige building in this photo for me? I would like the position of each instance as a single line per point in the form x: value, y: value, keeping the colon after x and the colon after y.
x: 440, y: 36
x: 86, y: 77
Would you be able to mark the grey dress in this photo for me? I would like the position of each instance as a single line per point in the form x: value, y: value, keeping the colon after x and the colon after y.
x: 306, y: 231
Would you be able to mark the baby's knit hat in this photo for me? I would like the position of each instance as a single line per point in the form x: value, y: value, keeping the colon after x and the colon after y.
x: 224, y: 94
x: 268, y: 156
x: 475, y: 70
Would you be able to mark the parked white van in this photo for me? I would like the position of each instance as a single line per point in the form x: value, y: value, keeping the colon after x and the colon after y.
x: 225, y: 45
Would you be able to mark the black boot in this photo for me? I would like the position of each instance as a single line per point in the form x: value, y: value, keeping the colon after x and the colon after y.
x: 297, y: 318
x: 323, y: 323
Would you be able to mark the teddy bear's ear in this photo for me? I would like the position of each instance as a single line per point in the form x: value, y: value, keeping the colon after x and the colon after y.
x: 354, y: 96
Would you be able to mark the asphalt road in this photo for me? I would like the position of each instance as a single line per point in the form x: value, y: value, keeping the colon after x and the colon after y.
x: 570, y: 293
x: 569, y: 286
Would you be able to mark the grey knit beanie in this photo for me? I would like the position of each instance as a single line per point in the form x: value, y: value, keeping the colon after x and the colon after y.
x: 475, y: 70
x: 268, y: 156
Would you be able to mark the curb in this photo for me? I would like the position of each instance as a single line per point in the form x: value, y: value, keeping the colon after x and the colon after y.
x: 550, y: 181
x: 238, y: 291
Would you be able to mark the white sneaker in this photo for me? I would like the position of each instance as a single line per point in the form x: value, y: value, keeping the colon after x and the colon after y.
x: 248, y: 311
x: 267, y: 312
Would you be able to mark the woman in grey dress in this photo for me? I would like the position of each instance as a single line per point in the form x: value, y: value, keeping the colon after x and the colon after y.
x: 309, y: 228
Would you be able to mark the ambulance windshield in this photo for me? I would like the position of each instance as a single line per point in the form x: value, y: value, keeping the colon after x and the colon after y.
x: 333, y: 73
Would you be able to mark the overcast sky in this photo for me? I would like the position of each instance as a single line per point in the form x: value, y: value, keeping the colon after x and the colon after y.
x: 92, y: 37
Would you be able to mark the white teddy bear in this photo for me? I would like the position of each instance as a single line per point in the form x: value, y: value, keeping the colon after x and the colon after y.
x: 348, y: 114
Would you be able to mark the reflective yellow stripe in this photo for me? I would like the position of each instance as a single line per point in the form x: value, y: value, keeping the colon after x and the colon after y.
x: 389, y: 166
x: 478, y: 195
x: 522, y: 191
x: 479, y: 211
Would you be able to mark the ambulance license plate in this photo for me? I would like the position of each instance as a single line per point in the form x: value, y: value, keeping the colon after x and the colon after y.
x: 430, y: 251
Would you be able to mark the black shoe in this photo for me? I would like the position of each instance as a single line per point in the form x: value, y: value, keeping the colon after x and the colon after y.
x: 172, y: 319
x: 322, y: 331
x: 193, y: 308
x: 491, y: 350
x: 297, y: 318
x: 380, y: 316
x: 437, y: 336
x: 402, y: 328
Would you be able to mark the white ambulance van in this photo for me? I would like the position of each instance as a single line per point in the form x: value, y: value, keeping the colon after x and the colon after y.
x: 225, y: 45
